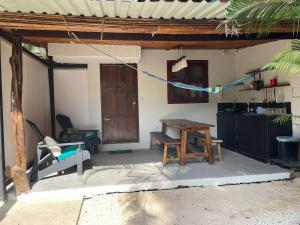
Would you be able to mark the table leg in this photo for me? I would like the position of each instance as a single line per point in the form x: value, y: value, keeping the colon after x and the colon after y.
x: 299, y: 152
x: 164, y: 128
x: 183, y: 147
x: 208, y: 143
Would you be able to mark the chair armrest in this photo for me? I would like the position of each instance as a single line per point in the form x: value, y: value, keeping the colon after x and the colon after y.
x: 85, y: 131
x: 88, y: 131
x: 63, y: 144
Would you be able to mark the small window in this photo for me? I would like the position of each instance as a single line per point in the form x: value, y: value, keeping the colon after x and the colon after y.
x: 195, y: 74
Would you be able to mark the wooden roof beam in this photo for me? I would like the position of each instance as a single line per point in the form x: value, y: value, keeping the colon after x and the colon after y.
x: 148, y: 44
x: 212, y: 41
x: 31, y: 21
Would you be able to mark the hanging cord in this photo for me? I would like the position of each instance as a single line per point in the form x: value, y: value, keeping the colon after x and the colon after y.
x: 115, y: 58
x: 156, y: 31
x: 211, y: 90
x: 102, y: 28
x: 67, y: 26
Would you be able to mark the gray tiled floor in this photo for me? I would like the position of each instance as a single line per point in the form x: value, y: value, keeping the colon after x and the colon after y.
x: 143, y: 170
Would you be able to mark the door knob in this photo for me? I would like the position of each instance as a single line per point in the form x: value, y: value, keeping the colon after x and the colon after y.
x: 107, y: 119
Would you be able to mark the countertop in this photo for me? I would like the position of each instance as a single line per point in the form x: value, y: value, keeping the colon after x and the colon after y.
x: 241, y: 113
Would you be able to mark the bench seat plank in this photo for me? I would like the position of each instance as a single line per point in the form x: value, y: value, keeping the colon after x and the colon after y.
x: 166, y: 141
x: 213, y: 139
x: 163, y: 138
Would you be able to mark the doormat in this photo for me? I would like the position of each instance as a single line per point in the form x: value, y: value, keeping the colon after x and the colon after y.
x: 119, y: 152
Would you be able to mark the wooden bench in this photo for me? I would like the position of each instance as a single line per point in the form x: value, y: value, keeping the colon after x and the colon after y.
x: 214, y: 141
x: 167, y: 142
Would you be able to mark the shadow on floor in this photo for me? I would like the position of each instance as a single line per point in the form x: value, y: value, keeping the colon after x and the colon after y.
x: 5, y: 208
x: 133, y: 157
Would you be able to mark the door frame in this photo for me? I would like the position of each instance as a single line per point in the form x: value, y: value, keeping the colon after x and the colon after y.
x: 137, y: 140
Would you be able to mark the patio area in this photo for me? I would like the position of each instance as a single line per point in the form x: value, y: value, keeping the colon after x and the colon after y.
x: 173, y: 77
x: 142, y: 170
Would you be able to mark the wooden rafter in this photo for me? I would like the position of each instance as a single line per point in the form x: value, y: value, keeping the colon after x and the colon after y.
x: 30, y: 21
x: 40, y: 29
x: 155, y: 44
x: 165, y: 41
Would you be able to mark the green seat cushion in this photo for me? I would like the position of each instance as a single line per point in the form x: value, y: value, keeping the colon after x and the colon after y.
x: 90, y: 137
x: 67, y: 152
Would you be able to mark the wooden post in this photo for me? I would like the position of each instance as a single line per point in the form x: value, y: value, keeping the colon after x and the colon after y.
x: 183, y: 147
x: 18, y: 171
x: 2, y: 155
x: 164, y: 128
x: 208, y: 145
x: 299, y: 152
x: 52, y: 97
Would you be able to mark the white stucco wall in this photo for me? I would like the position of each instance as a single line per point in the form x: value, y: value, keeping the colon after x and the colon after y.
x: 255, y: 57
x: 35, y: 101
x: 223, y: 68
x: 152, y: 93
x: 77, y: 92
x: 71, y: 96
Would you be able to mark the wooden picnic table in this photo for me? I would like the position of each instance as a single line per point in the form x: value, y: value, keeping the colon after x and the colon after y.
x: 185, y: 126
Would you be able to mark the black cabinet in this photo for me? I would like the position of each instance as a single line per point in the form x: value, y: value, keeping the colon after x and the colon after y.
x: 226, y: 124
x: 252, y: 132
x: 255, y: 135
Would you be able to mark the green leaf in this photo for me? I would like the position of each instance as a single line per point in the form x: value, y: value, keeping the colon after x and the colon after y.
x: 260, y: 15
x: 280, y: 120
x: 287, y: 62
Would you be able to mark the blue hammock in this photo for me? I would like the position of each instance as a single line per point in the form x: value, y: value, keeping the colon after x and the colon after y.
x: 210, y: 90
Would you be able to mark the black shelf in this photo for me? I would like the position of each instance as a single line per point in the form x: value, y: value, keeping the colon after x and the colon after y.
x: 267, y: 86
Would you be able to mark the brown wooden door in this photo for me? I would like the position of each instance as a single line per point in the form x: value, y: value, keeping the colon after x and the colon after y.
x: 119, y: 102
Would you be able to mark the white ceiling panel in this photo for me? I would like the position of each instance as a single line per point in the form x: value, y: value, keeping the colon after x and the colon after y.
x: 121, y: 8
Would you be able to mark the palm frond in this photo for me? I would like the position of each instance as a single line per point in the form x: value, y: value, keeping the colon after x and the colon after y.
x: 295, y: 45
x: 260, y: 15
x: 282, y: 119
x: 287, y: 62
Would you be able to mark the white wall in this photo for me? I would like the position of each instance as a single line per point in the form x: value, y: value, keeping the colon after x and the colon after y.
x: 255, y: 57
x: 80, y: 53
x: 35, y: 101
x: 152, y: 93
x: 71, y: 96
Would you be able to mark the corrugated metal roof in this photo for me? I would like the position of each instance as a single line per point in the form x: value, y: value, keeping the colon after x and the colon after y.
x: 121, y: 8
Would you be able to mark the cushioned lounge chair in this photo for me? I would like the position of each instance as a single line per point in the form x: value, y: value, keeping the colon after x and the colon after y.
x: 46, y: 163
x: 71, y: 134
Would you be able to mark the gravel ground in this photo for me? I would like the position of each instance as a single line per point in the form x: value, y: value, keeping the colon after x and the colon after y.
x: 263, y: 203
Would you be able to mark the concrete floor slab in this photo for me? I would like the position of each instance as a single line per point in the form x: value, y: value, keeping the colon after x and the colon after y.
x: 250, y: 204
x: 143, y: 170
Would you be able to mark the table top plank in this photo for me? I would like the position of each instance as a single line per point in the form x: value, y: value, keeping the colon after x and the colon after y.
x: 184, y: 124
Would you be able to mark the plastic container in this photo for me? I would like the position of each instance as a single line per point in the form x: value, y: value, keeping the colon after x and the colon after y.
x: 260, y: 110
x: 273, y: 82
x: 287, y: 148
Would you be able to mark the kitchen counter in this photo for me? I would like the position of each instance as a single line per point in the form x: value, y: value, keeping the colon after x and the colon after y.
x: 251, y: 114
x: 251, y: 134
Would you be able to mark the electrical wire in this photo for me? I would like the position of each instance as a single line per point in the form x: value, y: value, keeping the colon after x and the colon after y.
x: 211, y: 90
